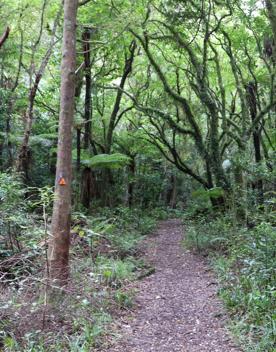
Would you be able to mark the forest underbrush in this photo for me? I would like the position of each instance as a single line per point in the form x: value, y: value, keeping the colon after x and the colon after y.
x: 105, y: 259
x: 243, y: 254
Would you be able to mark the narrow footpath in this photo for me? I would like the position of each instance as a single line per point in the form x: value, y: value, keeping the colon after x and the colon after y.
x: 177, y: 307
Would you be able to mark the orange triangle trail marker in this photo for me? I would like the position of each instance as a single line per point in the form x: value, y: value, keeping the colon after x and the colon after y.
x: 62, y: 181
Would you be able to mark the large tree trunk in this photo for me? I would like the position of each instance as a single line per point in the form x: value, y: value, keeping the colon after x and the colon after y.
x: 60, y: 241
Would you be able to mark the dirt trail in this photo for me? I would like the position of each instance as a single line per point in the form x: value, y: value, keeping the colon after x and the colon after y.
x: 177, y: 307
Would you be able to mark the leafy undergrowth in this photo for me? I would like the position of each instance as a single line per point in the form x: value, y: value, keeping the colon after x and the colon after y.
x: 245, y: 261
x: 105, y: 258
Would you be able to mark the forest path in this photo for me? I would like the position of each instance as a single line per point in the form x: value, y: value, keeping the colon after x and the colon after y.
x: 177, y: 307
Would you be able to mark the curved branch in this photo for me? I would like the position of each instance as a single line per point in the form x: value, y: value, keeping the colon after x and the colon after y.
x: 4, y: 36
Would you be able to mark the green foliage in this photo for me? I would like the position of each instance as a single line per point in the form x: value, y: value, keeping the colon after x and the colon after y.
x: 99, y: 278
x: 44, y: 140
x: 247, y: 272
x: 115, y: 271
x: 153, y: 136
x: 107, y: 161
x: 205, y: 195
x: 11, y: 192
x: 123, y: 299
x: 209, y: 234
x: 121, y: 229
x: 90, y: 332
x: 13, y: 219
x: 250, y: 292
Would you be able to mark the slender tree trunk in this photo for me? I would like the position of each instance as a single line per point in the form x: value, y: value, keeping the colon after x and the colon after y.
x: 116, y: 107
x: 88, y: 86
x: 60, y: 241
x: 9, y: 160
x: 23, y: 159
x: 78, y: 89
x: 252, y: 104
x: 87, y: 182
x: 88, y: 187
x: 271, y: 12
x: 174, y: 192
x: 78, y: 149
x: 114, y: 118
x: 132, y: 168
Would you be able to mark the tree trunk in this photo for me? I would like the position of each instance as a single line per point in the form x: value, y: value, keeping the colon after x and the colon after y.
x: 60, y: 240
x: 271, y: 11
x: 116, y: 107
x: 87, y: 182
x: 5, y: 36
x: 132, y: 168
x: 252, y: 104
x: 9, y: 160
x: 23, y: 162
x: 78, y: 150
x: 174, y: 192
x: 86, y: 187
x: 88, y: 85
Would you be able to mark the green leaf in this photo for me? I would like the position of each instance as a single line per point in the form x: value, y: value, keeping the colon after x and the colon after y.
x: 107, y: 161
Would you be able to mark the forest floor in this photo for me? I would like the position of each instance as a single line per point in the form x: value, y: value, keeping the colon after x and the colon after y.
x: 177, y: 308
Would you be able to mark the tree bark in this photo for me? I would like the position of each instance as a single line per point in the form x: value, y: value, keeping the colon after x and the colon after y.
x: 60, y: 240
x: 88, y: 187
x: 88, y: 85
x: 252, y: 104
x: 78, y: 150
x: 174, y: 192
x: 271, y: 11
x: 5, y: 36
x: 87, y: 177
x: 132, y: 168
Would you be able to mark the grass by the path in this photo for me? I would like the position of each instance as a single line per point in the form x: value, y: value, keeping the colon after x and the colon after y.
x: 245, y: 262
